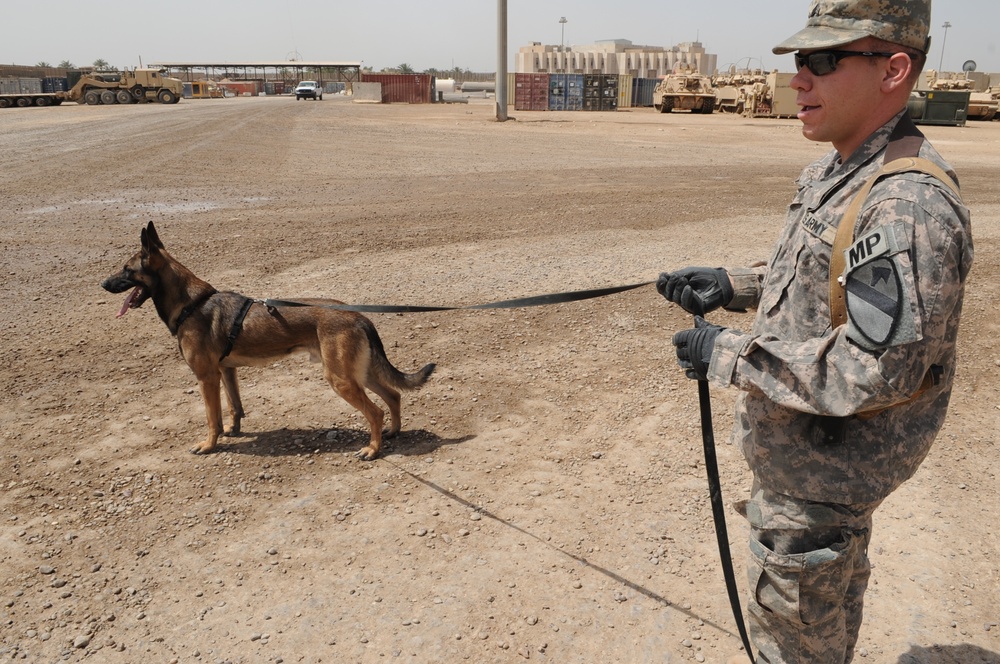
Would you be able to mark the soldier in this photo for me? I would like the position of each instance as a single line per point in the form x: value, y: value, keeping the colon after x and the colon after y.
x: 836, y: 413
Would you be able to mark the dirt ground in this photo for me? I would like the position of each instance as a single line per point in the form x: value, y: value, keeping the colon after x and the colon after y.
x: 546, y: 500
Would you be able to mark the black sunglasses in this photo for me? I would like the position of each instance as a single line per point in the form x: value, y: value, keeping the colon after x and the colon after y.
x: 822, y: 63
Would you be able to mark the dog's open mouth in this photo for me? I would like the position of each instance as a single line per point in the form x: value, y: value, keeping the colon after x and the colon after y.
x: 134, y: 300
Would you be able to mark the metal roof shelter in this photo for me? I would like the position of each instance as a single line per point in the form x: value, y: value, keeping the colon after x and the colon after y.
x: 321, y: 71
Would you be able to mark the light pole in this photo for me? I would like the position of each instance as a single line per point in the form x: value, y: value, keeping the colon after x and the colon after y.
x: 944, y: 40
x: 562, y: 36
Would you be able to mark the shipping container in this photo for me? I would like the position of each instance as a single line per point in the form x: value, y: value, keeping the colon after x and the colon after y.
x: 625, y: 91
x: 531, y: 92
x: 55, y: 84
x: 242, y: 88
x: 403, y: 88
x: 642, y: 92
x: 600, y: 92
x: 574, y: 92
x: 29, y: 86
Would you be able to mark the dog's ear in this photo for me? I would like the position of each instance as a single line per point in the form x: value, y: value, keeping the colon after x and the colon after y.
x: 154, y: 239
x: 150, y: 241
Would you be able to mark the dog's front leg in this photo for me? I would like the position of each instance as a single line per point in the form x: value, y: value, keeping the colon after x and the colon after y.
x: 232, y: 387
x: 208, y: 382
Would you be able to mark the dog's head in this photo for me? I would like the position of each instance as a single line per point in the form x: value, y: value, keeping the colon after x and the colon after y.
x: 139, y: 272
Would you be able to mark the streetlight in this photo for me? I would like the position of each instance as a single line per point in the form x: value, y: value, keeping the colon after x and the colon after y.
x: 944, y: 40
x: 562, y: 36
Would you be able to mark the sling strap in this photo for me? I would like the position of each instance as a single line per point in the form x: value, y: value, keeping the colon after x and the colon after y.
x: 900, y: 157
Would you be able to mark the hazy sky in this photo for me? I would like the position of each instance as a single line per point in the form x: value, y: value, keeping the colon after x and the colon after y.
x: 441, y: 34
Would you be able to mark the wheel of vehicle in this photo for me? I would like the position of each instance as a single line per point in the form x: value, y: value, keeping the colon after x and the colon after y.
x: 124, y: 97
x: 23, y: 101
x: 42, y: 101
x: 166, y: 97
x: 138, y: 93
x: 108, y: 97
x: 668, y: 105
x: 92, y: 97
x: 4, y: 103
x: 707, y: 107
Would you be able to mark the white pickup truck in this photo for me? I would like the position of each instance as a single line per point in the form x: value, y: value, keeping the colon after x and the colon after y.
x: 308, y: 90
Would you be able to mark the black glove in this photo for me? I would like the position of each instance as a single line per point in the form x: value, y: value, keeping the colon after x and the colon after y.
x: 694, y: 348
x: 697, y: 289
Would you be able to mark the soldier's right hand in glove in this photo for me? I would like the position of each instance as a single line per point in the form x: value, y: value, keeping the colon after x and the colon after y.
x: 697, y: 289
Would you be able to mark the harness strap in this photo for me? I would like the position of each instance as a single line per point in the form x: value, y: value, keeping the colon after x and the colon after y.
x: 900, y: 157
x: 237, y: 327
x: 190, y: 309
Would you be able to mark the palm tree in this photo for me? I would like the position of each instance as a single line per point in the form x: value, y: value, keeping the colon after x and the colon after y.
x: 66, y: 64
x: 100, y: 64
x: 43, y: 63
x: 405, y: 69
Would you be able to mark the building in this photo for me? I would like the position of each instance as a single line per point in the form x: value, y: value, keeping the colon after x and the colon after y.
x: 613, y: 56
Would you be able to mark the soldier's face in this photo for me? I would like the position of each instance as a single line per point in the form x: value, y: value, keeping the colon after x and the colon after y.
x: 839, y: 107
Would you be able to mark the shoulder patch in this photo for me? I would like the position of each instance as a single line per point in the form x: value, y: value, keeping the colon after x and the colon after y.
x: 875, y: 298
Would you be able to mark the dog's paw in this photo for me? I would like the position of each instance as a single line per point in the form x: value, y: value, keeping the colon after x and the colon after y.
x: 203, y: 448
x: 367, y: 454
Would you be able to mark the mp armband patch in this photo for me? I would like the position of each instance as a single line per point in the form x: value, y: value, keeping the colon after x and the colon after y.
x: 876, y: 300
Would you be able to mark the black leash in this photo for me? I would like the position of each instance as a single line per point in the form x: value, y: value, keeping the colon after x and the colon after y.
x: 535, y: 301
x: 719, y: 512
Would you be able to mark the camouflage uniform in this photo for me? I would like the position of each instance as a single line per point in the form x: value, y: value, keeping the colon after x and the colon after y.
x: 819, y: 469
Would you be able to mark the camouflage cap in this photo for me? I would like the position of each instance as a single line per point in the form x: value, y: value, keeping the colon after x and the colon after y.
x: 838, y: 22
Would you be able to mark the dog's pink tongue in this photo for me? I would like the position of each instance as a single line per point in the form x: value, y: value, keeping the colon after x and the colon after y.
x: 128, y: 301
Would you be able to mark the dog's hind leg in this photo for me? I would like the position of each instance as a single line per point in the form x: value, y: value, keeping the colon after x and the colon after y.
x: 354, y: 394
x: 392, y: 400
x: 208, y: 383
x: 232, y: 386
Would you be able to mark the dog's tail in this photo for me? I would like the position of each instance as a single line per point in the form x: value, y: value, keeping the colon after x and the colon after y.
x: 383, y: 369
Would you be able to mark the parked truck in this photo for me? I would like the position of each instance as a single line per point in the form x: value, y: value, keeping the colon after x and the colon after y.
x: 124, y: 87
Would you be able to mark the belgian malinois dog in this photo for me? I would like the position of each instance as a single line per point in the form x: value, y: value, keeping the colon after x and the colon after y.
x: 220, y: 331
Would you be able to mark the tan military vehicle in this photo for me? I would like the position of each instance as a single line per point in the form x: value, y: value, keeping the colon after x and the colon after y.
x: 684, y: 89
x: 983, y: 105
x: 107, y: 87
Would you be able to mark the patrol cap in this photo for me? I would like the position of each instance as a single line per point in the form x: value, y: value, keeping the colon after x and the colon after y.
x: 837, y: 22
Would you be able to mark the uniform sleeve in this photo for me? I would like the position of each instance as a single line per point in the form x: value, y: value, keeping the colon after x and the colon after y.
x: 833, y: 375
x: 746, y: 287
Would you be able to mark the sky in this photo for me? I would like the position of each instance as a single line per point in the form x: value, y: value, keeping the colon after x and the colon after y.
x: 440, y: 34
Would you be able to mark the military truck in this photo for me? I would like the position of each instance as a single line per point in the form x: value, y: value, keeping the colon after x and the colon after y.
x: 684, y: 89
x: 107, y: 87
x: 982, y: 104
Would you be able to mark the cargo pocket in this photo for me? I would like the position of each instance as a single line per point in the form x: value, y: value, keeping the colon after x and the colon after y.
x: 805, y: 588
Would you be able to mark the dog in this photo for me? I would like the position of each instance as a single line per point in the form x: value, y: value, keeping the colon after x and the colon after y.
x: 220, y: 331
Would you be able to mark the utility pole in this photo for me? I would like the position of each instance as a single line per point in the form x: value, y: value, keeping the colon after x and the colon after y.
x: 501, y: 82
x: 943, y: 42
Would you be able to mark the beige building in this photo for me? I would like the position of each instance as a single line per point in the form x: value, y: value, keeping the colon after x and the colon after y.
x: 613, y: 56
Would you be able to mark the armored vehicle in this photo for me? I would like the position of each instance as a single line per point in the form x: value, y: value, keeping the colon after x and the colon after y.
x: 684, y: 89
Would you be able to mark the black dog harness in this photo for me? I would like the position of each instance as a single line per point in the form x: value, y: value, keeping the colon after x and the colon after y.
x: 234, y: 330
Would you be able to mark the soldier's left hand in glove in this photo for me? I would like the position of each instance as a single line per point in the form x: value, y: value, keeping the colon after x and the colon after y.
x: 694, y: 348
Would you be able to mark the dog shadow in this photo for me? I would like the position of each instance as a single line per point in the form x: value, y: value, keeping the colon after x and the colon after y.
x: 293, y: 442
x: 962, y: 653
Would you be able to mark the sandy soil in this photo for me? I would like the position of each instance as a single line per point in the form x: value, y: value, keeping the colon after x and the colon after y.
x: 546, y: 500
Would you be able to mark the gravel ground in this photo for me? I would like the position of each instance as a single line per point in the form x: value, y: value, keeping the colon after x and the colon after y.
x: 546, y: 500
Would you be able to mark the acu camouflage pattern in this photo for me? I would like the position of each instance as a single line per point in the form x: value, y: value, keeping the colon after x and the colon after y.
x: 809, y: 569
x: 802, y: 382
x: 837, y: 22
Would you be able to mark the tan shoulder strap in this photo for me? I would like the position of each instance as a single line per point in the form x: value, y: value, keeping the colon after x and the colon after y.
x: 845, y: 230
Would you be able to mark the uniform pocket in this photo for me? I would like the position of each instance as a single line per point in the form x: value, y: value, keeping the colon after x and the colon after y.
x: 804, y: 588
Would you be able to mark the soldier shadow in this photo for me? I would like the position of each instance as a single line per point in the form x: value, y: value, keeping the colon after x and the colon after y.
x: 962, y: 653
x: 294, y: 442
